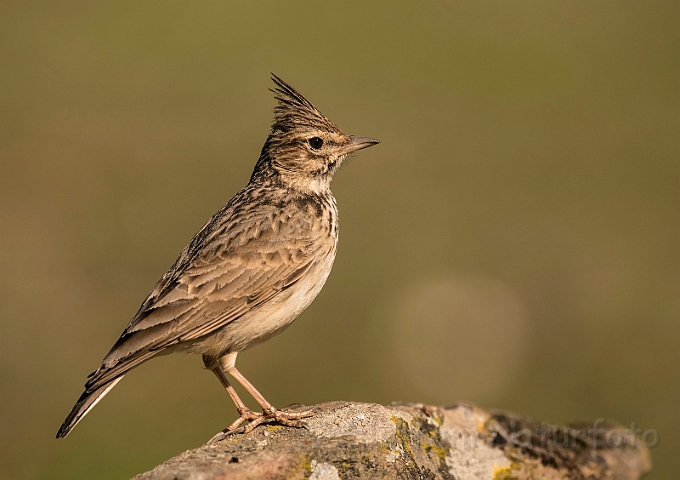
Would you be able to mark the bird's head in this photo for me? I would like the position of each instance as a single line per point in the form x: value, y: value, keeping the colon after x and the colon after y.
x: 304, y: 148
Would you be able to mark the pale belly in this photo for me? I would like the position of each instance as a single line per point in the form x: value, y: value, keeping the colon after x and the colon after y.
x: 268, y: 319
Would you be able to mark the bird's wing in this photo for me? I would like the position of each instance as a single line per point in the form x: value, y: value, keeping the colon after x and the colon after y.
x: 236, y: 269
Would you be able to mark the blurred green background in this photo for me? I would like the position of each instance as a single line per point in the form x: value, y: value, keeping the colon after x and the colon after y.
x: 514, y: 242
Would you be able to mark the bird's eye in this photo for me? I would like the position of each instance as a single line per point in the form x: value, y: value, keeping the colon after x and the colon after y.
x: 315, y: 143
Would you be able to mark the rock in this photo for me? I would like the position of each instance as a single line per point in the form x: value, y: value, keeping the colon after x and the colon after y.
x: 346, y: 440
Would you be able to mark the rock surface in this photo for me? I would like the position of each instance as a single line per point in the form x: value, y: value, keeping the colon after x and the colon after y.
x: 347, y: 440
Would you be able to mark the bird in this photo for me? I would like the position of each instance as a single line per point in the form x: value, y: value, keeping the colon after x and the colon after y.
x: 252, y: 269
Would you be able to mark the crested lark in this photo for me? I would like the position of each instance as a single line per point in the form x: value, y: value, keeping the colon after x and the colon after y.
x: 251, y: 270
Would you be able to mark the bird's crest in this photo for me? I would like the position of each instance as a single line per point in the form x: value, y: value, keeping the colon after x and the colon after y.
x: 295, y: 111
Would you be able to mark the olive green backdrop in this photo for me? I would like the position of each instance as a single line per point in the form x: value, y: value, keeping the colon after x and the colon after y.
x: 514, y: 241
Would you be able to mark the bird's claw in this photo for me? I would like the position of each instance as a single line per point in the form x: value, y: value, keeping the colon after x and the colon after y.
x: 287, y: 418
x: 254, y: 419
x: 246, y: 415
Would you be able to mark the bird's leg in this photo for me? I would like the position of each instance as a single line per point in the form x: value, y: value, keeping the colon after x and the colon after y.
x: 245, y: 414
x: 291, y: 419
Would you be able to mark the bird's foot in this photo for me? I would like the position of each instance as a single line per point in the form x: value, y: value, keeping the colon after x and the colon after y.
x: 246, y: 415
x: 284, y: 417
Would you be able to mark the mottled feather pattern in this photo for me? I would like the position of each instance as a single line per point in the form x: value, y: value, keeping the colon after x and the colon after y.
x: 240, y: 265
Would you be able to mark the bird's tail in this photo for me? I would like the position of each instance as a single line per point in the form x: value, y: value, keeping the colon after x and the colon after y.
x: 84, y: 404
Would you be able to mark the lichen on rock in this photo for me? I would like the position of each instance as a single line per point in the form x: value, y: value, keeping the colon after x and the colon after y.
x: 346, y: 440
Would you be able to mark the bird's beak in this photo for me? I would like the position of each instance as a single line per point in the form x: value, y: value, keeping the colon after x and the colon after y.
x: 357, y: 143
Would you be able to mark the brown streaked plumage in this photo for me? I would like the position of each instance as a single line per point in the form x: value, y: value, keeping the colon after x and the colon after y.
x: 252, y: 268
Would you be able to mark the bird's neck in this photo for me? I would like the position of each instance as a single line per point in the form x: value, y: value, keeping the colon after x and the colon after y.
x: 304, y: 184
x: 273, y: 174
